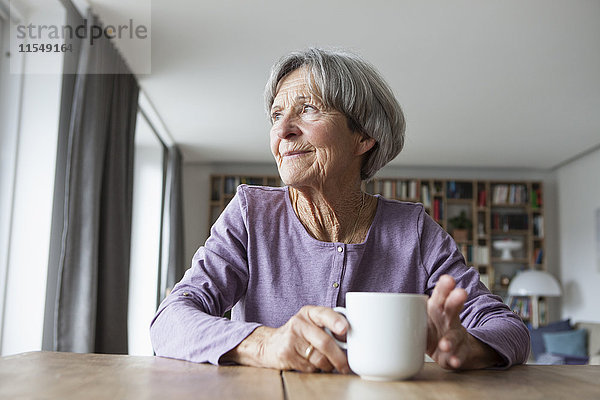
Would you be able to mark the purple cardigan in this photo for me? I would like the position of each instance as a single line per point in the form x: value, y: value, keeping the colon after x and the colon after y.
x: 260, y: 260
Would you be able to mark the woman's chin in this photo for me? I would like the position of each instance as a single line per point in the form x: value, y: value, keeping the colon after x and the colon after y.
x: 294, y: 177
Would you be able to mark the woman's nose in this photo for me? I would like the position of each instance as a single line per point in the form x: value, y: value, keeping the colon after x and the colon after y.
x: 287, y: 126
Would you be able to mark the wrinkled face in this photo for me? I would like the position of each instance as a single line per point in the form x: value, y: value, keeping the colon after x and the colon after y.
x: 311, y: 144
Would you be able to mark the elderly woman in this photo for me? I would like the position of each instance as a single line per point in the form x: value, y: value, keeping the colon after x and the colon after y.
x: 283, y: 257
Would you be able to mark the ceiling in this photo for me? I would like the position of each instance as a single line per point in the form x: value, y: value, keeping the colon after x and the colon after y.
x: 483, y: 83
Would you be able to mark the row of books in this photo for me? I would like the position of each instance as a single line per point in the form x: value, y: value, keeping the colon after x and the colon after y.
x: 408, y: 190
x: 509, y: 194
x: 387, y: 189
x: 459, y: 190
x: 475, y: 254
x: 521, y: 306
x: 231, y: 183
x: 506, y: 222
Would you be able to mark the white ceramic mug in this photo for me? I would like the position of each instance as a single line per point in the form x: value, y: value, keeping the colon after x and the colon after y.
x: 387, y: 335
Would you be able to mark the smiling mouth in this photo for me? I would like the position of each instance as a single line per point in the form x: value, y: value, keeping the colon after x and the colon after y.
x: 295, y: 153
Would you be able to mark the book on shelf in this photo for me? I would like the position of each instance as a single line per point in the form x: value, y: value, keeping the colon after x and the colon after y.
x: 542, y: 309
x: 538, y: 256
x: 536, y: 198
x: 412, y: 190
x: 425, y: 196
x: 437, y: 209
x: 467, y: 252
x: 387, y: 189
x: 482, y: 255
x: 538, y: 226
x: 481, y: 198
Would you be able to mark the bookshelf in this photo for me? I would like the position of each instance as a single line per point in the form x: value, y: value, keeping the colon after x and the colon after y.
x: 497, y: 210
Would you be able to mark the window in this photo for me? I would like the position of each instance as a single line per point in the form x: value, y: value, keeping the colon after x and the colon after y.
x: 5, y: 174
x: 29, y: 115
x: 148, y: 184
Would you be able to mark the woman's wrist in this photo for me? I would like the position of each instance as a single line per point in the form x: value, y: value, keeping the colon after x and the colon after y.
x: 481, y: 355
x: 250, y: 351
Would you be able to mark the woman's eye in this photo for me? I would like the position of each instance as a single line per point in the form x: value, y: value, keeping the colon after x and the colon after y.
x: 275, y: 116
x: 308, y: 108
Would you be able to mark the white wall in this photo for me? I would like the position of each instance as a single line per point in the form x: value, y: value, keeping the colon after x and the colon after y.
x: 196, y: 180
x: 579, y: 202
x: 33, y: 193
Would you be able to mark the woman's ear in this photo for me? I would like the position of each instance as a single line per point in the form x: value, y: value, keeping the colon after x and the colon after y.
x: 365, y: 144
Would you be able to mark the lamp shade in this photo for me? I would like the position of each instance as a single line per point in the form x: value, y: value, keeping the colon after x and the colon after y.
x: 534, y: 283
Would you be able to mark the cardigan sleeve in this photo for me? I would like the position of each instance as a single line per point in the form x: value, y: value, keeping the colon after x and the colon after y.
x: 484, y: 316
x: 189, y: 323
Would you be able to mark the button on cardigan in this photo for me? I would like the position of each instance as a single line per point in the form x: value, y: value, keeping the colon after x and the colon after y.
x: 260, y: 260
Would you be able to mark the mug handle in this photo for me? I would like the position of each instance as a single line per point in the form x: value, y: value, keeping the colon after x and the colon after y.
x: 343, y: 345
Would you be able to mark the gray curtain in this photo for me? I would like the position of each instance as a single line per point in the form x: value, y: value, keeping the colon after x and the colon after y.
x: 91, y: 226
x: 177, y: 263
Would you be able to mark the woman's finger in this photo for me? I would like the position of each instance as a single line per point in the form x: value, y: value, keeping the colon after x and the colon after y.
x: 442, y: 289
x: 455, y: 303
x: 316, y: 318
x: 325, y: 317
x: 299, y: 361
x: 453, y: 347
x: 313, y: 356
x: 305, y: 328
x: 327, y: 347
x: 320, y: 361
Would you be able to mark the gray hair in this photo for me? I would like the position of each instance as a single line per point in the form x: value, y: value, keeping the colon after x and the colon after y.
x: 345, y: 82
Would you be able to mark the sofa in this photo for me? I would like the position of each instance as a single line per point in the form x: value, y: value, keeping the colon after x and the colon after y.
x: 593, y: 342
x: 562, y: 343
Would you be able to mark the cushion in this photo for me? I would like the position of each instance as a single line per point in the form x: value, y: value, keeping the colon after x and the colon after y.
x: 593, y: 330
x: 549, y: 359
x: 555, y: 359
x: 537, y: 341
x: 568, y: 343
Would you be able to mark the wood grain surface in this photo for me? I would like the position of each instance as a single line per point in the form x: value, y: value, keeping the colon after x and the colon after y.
x: 50, y: 375
x: 519, y: 382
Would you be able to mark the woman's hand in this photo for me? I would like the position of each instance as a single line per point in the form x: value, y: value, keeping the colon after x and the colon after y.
x: 448, y: 342
x: 287, y: 347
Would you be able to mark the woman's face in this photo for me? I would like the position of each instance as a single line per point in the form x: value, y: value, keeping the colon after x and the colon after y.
x: 311, y: 145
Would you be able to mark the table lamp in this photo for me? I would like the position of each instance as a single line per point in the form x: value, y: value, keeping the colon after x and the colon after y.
x: 534, y: 284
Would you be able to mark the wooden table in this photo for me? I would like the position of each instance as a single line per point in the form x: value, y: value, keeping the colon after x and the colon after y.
x: 48, y: 375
